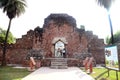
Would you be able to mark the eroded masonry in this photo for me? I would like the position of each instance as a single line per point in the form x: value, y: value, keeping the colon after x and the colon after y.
x: 59, y: 33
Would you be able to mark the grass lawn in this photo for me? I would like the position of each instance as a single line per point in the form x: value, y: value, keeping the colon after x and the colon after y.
x: 98, y: 71
x: 9, y: 73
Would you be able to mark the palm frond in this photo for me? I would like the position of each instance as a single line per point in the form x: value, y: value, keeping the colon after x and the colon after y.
x: 105, y: 3
x: 20, y: 7
x: 3, y: 3
x: 14, y: 8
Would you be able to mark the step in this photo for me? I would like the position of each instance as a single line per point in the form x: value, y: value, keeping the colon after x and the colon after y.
x: 65, y: 64
x: 59, y: 60
x: 59, y: 67
x: 59, y: 63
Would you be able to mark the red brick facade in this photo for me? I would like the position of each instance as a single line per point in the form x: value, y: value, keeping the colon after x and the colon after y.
x: 56, y: 28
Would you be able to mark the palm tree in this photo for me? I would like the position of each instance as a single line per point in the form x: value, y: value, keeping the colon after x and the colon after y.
x: 107, y: 4
x: 12, y: 8
x: 3, y: 3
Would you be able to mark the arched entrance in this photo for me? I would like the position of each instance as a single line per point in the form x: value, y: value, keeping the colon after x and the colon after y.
x: 59, y: 46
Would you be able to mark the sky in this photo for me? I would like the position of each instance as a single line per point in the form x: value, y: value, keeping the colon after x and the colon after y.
x: 86, y: 12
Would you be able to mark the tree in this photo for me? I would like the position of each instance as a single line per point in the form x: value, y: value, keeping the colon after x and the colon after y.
x: 107, y: 39
x: 11, y: 38
x: 107, y: 4
x: 116, y: 38
x: 3, y: 3
x: 82, y: 27
x: 12, y: 8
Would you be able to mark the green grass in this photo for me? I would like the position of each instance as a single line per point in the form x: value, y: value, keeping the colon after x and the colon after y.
x: 98, y: 71
x: 9, y: 73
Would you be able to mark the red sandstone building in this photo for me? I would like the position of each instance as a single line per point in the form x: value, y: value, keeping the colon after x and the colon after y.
x: 58, y: 32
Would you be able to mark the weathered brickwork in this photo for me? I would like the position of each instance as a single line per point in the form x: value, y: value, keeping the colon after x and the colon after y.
x: 56, y: 27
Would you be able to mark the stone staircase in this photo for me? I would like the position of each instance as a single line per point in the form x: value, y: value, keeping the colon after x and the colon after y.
x: 59, y: 63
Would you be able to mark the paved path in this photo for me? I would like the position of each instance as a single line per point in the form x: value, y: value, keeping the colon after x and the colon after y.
x: 45, y: 73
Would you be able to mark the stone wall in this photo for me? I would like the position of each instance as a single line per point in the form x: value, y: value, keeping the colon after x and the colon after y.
x: 56, y: 27
x: 16, y: 53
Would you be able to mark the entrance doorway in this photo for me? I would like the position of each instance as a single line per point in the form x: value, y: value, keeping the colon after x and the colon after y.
x: 59, y: 47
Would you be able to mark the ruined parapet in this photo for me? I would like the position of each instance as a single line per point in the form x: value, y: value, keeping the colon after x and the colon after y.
x: 59, y: 20
x: 38, y: 32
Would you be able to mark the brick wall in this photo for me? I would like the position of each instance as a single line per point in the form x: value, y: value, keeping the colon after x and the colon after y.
x: 76, y: 41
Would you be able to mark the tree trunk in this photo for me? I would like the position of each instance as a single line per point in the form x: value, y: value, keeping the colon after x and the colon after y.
x: 111, y: 29
x: 5, y: 45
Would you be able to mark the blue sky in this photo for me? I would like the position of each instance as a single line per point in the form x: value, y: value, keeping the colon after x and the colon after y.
x: 86, y: 12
